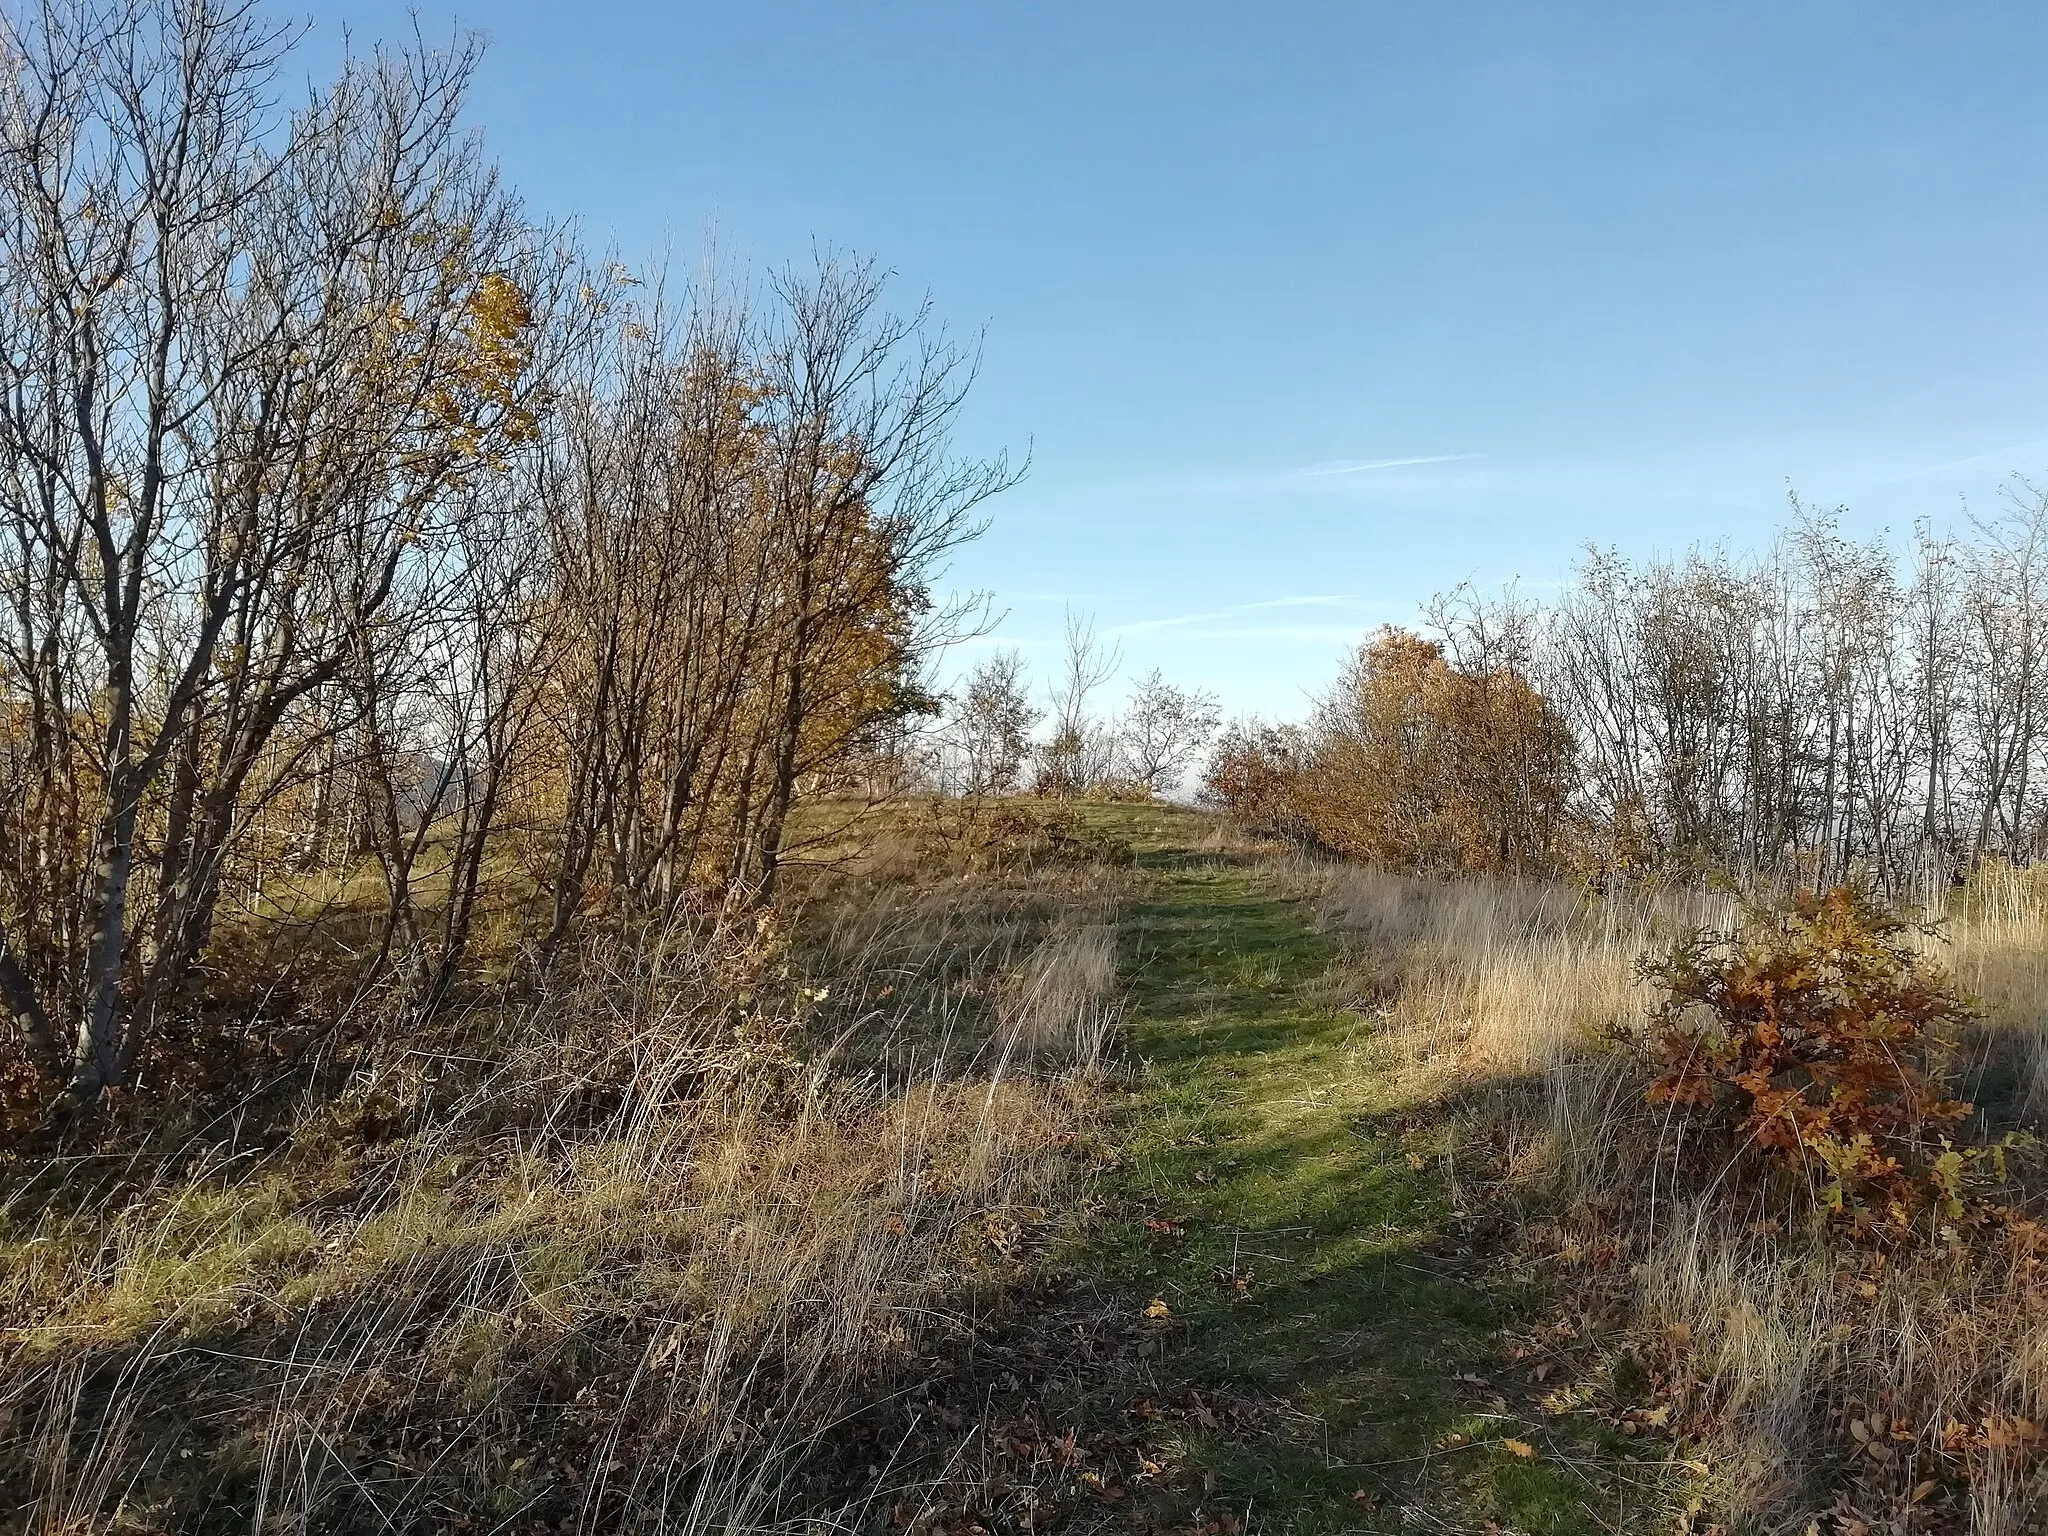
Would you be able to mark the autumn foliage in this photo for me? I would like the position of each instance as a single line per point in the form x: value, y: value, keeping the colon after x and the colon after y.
x: 1820, y: 1030
x: 1257, y: 773
x: 454, y: 593
x: 1414, y: 763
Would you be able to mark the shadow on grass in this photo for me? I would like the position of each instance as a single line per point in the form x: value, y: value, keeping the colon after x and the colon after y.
x: 1267, y: 1319
x: 1287, y: 1207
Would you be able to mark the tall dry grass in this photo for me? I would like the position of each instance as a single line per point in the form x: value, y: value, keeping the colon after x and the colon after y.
x: 619, y: 1258
x: 1867, y: 1390
x: 1997, y: 928
x: 1496, y: 976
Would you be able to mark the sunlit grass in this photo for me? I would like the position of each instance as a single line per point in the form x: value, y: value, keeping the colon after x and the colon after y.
x: 683, y: 1179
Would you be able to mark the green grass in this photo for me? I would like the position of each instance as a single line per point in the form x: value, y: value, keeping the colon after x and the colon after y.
x: 1264, y: 1124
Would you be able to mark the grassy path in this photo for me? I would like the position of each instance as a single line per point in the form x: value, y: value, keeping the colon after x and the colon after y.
x: 1291, y: 1215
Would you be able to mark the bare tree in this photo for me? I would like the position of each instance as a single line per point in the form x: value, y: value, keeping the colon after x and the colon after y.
x: 249, y: 360
x: 1163, y: 731
x: 344, y: 513
x: 745, y: 513
x: 991, y: 726
x: 1080, y: 751
x: 1826, y: 709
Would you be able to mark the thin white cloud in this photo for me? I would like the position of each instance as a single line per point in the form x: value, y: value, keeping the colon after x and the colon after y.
x: 1148, y: 626
x: 1180, y: 621
x: 1360, y: 466
x: 1328, y: 477
x: 1975, y: 458
x: 1005, y: 642
x: 1286, y: 634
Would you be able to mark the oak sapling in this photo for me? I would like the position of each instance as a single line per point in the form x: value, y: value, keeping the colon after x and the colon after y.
x: 1820, y: 1030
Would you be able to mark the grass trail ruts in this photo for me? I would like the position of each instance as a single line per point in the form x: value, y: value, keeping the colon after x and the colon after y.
x: 1316, y: 1274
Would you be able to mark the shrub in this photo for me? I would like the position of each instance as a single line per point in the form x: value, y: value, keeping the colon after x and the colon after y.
x: 1414, y: 763
x: 1820, y: 1029
x: 993, y: 835
x: 1256, y: 775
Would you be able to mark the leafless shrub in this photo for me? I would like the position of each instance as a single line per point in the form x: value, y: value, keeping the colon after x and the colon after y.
x: 1081, y: 750
x: 990, y: 729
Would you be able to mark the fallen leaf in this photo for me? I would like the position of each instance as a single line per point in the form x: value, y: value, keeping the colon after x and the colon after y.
x: 1521, y: 1448
x: 1157, y: 1307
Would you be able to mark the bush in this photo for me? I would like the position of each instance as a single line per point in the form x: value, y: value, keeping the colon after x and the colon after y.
x: 1256, y: 776
x: 1414, y: 763
x: 1819, y: 1029
x: 1003, y: 835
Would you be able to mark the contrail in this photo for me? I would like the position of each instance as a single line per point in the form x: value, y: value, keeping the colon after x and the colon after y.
x: 1361, y: 467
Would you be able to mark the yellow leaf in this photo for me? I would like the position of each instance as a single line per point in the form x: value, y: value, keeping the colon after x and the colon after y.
x: 1158, y: 1308
x: 1521, y: 1448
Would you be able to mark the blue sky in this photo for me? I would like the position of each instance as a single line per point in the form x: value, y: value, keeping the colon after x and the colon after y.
x: 1307, y: 311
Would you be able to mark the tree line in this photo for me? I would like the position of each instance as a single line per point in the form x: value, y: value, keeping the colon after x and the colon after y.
x: 1826, y: 709
x: 351, y: 514
x: 994, y: 740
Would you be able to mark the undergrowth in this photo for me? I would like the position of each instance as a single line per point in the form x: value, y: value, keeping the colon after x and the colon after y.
x: 617, y: 1256
x: 1756, y: 1174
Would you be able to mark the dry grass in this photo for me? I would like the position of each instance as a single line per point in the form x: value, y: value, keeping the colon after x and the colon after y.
x: 1060, y: 1006
x: 617, y: 1258
x: 1497, y: 976
x: 1868, y: 1391
x: 1998, y: 948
